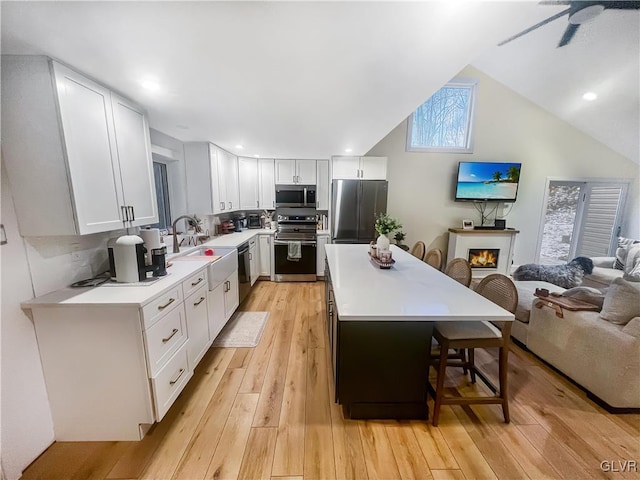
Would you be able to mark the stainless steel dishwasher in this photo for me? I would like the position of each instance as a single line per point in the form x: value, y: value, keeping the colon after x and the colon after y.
x: 244, y: 271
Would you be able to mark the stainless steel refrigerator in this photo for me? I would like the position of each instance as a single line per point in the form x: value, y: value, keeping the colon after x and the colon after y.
x: 354, y: 207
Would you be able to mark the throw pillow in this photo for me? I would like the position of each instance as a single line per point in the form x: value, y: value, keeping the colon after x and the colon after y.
x: 633, y: 275
x: 586, y: 294
x: 621, y: 251
x: 622, y: 302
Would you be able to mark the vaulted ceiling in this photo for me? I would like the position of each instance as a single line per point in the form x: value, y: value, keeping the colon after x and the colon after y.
x: 311, y: 79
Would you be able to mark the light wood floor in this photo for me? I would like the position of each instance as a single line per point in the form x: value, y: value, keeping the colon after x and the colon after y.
x: 266, y: 412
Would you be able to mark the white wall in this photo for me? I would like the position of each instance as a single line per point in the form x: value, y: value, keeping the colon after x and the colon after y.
x: 27, y: 426
x: 508, y: 128
x: 175, y: 171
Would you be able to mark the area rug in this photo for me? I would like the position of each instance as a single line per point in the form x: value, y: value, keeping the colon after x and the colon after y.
x: 244, y: 329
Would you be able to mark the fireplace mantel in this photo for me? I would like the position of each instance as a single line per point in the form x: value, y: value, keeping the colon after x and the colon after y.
x: 461, y: 240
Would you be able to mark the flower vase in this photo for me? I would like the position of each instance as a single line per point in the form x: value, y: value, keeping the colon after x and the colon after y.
x: 382, y: 243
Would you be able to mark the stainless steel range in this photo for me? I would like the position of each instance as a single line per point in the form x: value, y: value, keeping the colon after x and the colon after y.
x: 295, y: 245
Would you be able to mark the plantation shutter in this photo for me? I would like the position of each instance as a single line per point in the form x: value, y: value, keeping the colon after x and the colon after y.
x: 602, y: 214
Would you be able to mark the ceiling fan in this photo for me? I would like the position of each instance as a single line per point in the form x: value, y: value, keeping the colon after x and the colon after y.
x: 579, y: 12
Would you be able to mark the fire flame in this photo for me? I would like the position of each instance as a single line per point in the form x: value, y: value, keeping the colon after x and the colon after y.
x: 484, y: 258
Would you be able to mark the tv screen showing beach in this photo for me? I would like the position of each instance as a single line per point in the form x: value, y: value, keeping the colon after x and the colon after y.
x: 488, y: 181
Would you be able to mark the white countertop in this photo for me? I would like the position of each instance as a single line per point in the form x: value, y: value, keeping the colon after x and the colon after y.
x: 231, y: 240
x: 118, y: 295
x: 410, y: 290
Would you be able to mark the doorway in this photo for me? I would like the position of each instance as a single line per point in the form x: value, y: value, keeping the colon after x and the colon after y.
x: 581, y: 218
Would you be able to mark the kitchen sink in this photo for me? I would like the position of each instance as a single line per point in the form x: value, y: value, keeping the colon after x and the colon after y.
x: 219, y: 270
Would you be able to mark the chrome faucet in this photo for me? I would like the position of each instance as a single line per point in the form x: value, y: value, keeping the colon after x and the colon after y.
x: 176, y: 247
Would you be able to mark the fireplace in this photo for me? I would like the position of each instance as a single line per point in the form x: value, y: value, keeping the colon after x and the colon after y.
x: 484, y: 257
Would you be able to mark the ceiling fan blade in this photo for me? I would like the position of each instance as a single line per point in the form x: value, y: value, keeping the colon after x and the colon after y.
x: 554, y: 2
x: 621, y: 5
x: 568, y: 34
x: 537, y: 25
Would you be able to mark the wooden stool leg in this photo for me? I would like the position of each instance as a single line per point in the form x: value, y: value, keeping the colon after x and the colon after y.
x: 472, y: 363
x: 503, y: 366
x: 463, y: 358
x: 442, y: 366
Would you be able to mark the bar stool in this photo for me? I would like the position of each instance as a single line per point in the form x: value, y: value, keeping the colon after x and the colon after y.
x: 460, y: 270
x: 434, y: 258
x: 470, y: 335
x: 418, y: 249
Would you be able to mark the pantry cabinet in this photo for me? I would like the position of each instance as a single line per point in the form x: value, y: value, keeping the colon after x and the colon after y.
x: 212, y: 179
x: 359, y: 168
x: 291, y: 172
x: 78, y: 156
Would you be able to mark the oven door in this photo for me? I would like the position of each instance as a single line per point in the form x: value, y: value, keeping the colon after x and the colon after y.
x: 302, y: 270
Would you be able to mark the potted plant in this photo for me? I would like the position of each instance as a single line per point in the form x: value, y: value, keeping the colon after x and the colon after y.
x: 399, y: 238
x: 384, y: 226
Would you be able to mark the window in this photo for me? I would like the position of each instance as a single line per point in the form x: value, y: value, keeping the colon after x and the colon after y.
x: 444, y: 122
x: 162, y: 195
x: 582, y: 218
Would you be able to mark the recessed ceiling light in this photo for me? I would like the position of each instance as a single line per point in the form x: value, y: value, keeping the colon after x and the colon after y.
x: 239, y: 147
x: 348, y: 150
x: 150, y: 85
x: 589, y: 96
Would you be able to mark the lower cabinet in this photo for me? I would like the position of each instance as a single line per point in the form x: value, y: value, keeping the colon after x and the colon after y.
x: 217, y: 311
x: 321, y: 255
x: 112, y: 370
x: 197, y: 316
x: 265, y: 244
x: 231, y: 295
x: 254, y: 259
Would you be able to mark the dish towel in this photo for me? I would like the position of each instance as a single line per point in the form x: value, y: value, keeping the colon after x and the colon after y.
x: 294, y: 251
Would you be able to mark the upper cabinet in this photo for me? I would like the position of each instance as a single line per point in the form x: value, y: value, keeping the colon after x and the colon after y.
x: 267, y: 183
x: 322, y: 190
x: 359, y: 168
x: 248, y: 182
x: 77, y: 155
x: 212, y: 179
x: 291, y: 172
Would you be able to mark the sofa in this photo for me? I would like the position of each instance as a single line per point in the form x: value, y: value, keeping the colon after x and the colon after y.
x: 598, y: 350
x: 607, y: 269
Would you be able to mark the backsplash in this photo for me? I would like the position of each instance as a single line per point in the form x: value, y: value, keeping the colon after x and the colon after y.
x: 57, y: 262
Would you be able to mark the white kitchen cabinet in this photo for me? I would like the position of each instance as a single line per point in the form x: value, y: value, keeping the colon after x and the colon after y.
x: 248, y: 181
x: 212, y: 179
x: 267, y: 183
x: 197, y: 316
x: 359, y: 168
x: 266, y: 248
x: 321, y: 254
x: 322, y: 185
x: 217, y: 313
x: 231, y: 295
x: 67, y: 144
x: 254, y: 260
x: 111, y: 368
x: 291, y: 172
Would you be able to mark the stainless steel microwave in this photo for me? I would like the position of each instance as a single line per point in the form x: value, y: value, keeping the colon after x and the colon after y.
x: 296, y: 196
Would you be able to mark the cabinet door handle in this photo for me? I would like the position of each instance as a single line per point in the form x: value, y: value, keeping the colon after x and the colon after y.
x: 274, y: 204
x: 162, y: 307
x: 258, y: 204
x: 193, y: 284
x: 230, y: 205
x: 173, y: 332
x: 198, y: 302
x: 171, y: 382
x: 250, y: 256
x: 133, y: 214
x: 125, y: 214
x: 221, y: 205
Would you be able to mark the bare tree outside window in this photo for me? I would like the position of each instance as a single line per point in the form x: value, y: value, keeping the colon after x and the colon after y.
x: 443, y: 123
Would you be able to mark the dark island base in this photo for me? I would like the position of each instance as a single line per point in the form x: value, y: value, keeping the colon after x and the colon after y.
x: 382, y: 369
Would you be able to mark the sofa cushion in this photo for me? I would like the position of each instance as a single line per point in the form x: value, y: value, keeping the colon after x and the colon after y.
x: 622, y: 302
x: 586, y: 294
x: 601, y: 277
x: 526, y: 289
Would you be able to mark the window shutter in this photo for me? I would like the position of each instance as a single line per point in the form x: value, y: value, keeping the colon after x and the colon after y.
x: 601, y: 218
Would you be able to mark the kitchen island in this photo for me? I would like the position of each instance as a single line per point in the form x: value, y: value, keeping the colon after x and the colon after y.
x: 379, y: 324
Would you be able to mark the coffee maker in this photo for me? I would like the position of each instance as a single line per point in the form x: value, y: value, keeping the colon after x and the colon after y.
x: 156, y: 251
x: 127, y: 259
x: 240, y: 223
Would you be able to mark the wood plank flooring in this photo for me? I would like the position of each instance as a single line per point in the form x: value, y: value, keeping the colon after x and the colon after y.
x: 268, y: 413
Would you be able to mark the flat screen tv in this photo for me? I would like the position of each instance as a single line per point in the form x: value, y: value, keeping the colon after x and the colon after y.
x: 487, y: 181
